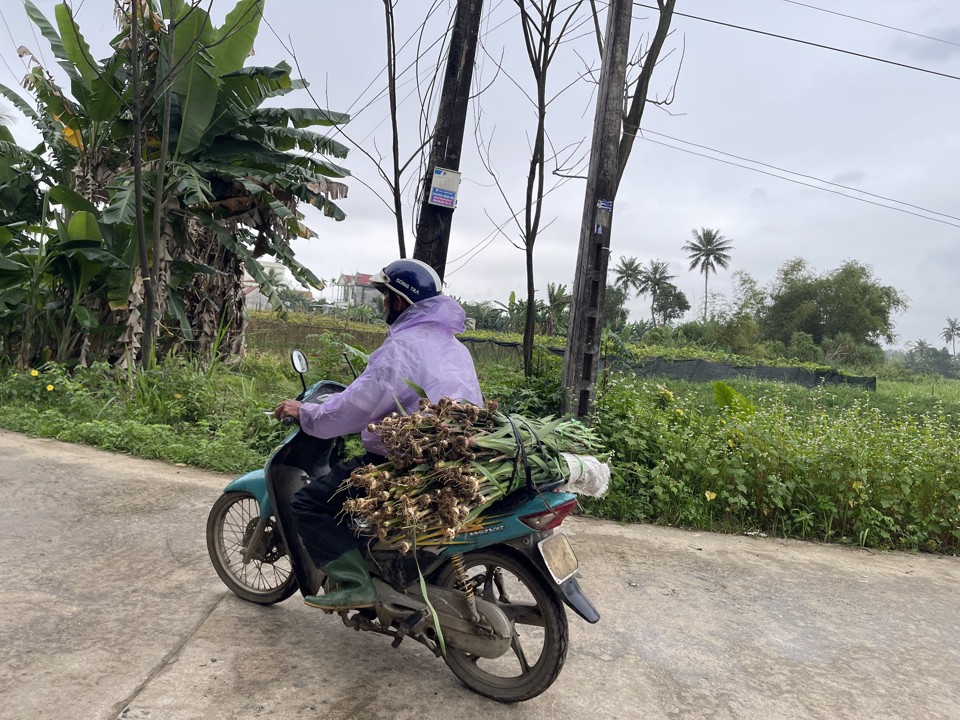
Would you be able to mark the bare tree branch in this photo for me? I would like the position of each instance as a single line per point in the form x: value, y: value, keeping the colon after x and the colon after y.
x: 638, y: 100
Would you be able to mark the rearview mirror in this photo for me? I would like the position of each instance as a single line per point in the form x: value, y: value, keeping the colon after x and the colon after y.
x: 299, y: 361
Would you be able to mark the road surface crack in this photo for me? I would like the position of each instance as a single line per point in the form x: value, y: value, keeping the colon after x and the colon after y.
x: 120, y: 708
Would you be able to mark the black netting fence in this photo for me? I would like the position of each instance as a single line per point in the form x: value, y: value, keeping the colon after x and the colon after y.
x: 690, y: 370
x: 279, y: 336
x: 708, y: 371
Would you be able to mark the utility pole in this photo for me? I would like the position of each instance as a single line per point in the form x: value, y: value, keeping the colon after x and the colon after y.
x: 433, y: 225
x: 586, y: 313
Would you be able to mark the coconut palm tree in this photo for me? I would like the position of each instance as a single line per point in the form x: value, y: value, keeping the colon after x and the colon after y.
x: 706, y: 251
x: 558, y: 299
x: 654, y: 278
x: 951, y: 333
x: 921, y: 347
x: 627, y: 277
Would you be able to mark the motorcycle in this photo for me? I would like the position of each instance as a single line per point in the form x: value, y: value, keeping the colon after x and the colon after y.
x: 465, y: 599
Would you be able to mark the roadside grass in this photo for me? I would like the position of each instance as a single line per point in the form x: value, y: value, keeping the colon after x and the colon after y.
x: 834, y: 464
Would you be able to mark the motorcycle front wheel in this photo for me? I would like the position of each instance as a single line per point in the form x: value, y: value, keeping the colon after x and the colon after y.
x: 268, y: 577
x: 538, y: 647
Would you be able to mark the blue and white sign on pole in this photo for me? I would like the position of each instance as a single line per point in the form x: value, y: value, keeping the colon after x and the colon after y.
x: 444, y: 188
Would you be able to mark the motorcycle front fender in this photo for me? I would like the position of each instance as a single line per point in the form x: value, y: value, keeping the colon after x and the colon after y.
x: 255, y: 483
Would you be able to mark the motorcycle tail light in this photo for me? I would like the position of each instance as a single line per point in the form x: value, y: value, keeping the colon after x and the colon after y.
x: 549, y: 519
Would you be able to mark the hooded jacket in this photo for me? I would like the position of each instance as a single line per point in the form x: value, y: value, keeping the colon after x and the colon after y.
x: 421, y: 348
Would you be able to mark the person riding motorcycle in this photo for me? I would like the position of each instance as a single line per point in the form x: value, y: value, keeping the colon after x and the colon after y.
x: 420, y: 349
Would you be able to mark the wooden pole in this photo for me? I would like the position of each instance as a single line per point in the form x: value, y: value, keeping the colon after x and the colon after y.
x: 433, y: 225
x: 586, y: 311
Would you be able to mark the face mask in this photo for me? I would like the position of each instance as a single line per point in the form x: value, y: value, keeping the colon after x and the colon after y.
x: 392, y: 309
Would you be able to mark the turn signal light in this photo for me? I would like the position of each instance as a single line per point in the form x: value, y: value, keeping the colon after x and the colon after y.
x: 549, y: 519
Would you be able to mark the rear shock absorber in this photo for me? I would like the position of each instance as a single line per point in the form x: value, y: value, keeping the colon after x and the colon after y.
x: 463, y: 582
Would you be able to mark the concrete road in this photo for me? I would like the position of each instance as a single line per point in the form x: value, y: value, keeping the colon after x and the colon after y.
x: 109, y: 608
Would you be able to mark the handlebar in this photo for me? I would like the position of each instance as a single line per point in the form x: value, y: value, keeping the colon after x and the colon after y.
x: 286, y: 421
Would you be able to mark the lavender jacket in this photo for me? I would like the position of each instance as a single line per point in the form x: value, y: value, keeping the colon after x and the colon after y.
x: 420, y: 347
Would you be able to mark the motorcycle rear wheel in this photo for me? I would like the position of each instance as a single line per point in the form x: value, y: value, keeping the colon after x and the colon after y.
x: 526, y: 599
x: 268, y: 578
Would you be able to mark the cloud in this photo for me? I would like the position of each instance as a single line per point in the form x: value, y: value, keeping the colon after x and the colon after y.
x: 849, y: 177
x: 923, y: 49
x: 761, y: 196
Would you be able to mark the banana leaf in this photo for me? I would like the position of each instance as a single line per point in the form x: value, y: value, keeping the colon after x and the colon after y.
x: 299, y: 117
x: 74, y: 46
x: 21, y: 104
x: 50, y: 33
x: 122, y: 207
x: 196, y: 83
x: 234, y: 39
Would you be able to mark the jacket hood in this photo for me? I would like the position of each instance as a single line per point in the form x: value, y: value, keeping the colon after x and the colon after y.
x: 440, y: 310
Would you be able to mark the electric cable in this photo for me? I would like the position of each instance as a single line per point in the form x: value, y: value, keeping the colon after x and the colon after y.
x: 808, y: 42
x: 872, y: 22
x: 800, y: 182
x: 12, y: 40
x: 798, y: 174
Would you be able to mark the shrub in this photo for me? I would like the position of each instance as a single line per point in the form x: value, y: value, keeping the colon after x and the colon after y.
x: 832, y: 467
x: 835, y: 463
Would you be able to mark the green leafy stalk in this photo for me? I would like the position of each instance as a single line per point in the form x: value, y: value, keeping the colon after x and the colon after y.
x: 449, y: 461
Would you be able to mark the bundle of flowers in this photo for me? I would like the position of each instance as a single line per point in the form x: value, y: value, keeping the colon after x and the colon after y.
x: 447, y: 462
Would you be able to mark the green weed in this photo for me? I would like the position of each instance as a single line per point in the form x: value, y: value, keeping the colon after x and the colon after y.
x: 835, y: 464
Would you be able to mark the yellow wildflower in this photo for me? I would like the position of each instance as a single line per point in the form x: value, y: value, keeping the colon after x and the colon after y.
x: 710, y: 495
x: 34, y: 373
x: 49, y: 388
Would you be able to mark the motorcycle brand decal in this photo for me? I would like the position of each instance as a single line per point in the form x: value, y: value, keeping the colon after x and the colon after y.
x: 479, y: 526
x: 484, y: 531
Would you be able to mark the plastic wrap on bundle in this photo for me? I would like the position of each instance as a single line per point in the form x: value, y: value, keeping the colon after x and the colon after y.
x: 588, y: 476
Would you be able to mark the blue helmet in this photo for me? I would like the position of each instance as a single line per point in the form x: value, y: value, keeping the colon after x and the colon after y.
x: 413, y: 280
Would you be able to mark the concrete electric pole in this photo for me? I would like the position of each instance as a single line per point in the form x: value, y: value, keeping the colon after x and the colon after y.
x: 586, y: 313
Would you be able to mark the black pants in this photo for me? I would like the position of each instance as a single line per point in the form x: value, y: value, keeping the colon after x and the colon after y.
x: 318, y: 506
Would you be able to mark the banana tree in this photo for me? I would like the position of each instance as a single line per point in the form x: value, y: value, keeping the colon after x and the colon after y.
x: 223, y: 176
x: 52, y: 275
x: 55, y: 263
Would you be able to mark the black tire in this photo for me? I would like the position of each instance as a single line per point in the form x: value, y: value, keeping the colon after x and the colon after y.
x: 531, y: 604
x: 268, y: 578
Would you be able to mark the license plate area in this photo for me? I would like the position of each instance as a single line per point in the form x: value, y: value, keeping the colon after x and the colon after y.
x: 558, y: 555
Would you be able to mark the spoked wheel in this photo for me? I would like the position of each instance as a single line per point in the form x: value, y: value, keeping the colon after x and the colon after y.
x: 268, y: 577
x: 539, y: 644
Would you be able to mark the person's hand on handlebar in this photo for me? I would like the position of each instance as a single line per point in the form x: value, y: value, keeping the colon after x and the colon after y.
x: 288, y: 412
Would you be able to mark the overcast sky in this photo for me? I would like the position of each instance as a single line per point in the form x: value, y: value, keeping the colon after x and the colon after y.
x: 887, y: 130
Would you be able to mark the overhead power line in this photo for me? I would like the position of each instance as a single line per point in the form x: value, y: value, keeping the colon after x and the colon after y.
x: 872, y: 22
x: 801, y: 182
x: 808, y: 42
x: 798, y: 174
x: 2, y: 56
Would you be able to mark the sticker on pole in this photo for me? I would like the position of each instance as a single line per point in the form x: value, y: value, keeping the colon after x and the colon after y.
x: 444, y: 188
